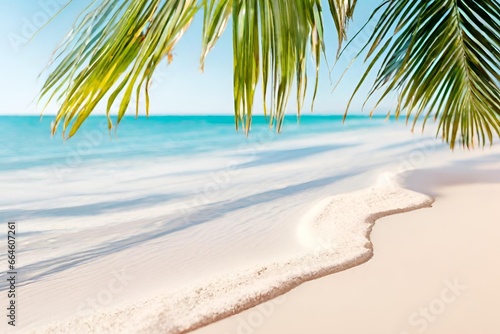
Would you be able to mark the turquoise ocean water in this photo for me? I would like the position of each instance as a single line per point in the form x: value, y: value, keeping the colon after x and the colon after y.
x: 26, y: 142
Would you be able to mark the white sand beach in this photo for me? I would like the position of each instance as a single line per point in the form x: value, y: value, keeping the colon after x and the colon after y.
x: 303, y: 243
x: 434, y: 270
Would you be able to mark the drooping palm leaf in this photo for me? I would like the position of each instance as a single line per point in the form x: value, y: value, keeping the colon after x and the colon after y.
x: 442, y: 57
x: 342, y: 11
x: 113, y: 52
x: 271, y: 38
x: 115, y: 48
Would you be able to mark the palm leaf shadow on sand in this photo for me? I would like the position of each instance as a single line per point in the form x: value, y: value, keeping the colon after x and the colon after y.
x: 461, y: 172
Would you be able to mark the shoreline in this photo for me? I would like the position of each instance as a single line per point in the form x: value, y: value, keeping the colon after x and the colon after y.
x: 318, y: 251
x: 125, y: 243
x: 197, y: 306
x: 400, y: 290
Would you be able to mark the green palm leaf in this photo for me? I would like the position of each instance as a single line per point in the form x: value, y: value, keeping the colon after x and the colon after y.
x: 442, y: 58
x: 114, y: 50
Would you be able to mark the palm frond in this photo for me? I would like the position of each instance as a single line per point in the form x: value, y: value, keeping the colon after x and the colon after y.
x: 342, y: 11
x: 113, y: 52
x: 442, y: 57
x: 115, y: 48
x: 278, y: 51
x: 272, y: 39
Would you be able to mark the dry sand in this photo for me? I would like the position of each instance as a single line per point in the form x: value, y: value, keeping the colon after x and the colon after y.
x: 434, y: 270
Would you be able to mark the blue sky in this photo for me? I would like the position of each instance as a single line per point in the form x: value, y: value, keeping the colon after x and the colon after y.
x: 181, y: 88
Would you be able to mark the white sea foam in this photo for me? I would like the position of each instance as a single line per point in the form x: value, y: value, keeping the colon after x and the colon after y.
x: 335, y: 236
